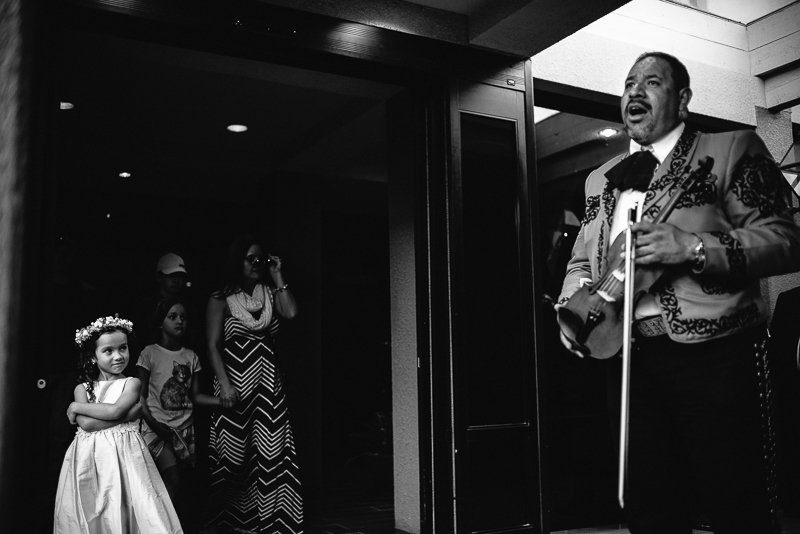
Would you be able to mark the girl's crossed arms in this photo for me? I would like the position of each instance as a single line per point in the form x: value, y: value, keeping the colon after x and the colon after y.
x: 92, y: 417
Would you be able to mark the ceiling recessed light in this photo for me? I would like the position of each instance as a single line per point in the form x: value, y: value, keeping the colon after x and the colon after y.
x: 237, y: 128
x: 124, y: 175
x: 66, y: 105
x: 608, y: 132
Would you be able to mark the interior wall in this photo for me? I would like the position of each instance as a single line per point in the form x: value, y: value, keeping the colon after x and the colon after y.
x: 13, y: 146
x: 776, y: 131
x: 356, y: 353
x: 405, y: 385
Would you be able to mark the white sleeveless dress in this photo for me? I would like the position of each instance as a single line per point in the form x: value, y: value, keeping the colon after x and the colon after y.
x: 109, y: 483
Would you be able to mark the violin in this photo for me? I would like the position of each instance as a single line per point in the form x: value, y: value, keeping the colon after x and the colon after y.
x: 591, y: 319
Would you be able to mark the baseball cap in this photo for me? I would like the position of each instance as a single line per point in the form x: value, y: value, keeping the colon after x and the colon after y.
x: 170, y: 263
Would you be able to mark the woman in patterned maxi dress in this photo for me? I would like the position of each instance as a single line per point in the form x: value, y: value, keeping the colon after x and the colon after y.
x: 254, y: 484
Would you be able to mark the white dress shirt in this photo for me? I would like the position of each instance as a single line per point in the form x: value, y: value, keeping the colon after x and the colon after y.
x: 661, y: 149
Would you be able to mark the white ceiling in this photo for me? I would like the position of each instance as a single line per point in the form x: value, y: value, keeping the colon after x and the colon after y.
x: 743, y: 11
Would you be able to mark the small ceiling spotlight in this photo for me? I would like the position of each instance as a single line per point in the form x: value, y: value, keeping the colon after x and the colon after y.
x: 66, y: 105
x: 608, y: 132
x: 124, y: 175
x: 237, y: 128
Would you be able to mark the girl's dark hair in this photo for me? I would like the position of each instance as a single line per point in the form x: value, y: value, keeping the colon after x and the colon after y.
x: 232, y: 268
x: 87, y: 370
x: 160, y: 313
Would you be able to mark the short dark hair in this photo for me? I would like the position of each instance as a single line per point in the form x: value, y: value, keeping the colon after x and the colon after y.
x: 680, y: 76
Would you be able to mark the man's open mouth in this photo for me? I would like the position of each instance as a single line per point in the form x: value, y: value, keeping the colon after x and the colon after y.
x: 636, y: 110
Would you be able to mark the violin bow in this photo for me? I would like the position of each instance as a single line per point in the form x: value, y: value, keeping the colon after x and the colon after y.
x: 634, y: 215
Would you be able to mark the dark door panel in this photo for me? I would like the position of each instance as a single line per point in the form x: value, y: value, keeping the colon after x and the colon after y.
x: 493, y: 356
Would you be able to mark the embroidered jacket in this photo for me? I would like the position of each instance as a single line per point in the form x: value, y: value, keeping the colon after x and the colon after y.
x: 741, y: 214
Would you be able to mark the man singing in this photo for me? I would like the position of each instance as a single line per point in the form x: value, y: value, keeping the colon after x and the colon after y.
x: 695, y: 427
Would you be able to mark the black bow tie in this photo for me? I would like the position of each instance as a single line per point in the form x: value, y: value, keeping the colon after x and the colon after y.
x: 633, y: 172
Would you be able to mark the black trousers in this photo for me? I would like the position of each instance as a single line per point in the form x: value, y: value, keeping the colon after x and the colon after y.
x: 696, y: 437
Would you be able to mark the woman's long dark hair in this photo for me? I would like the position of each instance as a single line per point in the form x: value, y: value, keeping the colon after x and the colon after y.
x: 232, y: 268
x: 87, y: 368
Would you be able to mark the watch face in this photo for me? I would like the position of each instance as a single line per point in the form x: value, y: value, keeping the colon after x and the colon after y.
x: 699, y: 255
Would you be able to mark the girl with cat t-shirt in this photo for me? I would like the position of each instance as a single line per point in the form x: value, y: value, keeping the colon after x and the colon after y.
x: 171, y: 387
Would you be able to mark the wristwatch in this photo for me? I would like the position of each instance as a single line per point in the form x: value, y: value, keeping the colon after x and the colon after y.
x: 699, y: 256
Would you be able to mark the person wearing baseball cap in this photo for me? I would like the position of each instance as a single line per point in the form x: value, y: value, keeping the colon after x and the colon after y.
x: 170, y: 263
x: 170, y: 275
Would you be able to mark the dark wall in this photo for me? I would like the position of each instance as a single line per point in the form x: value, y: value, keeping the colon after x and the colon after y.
x: 356, y: 362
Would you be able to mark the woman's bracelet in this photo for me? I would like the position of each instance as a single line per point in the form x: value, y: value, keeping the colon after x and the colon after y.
x: 282, y: 288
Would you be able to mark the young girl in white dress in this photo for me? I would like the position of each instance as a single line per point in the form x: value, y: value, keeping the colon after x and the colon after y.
x: 109, y: 483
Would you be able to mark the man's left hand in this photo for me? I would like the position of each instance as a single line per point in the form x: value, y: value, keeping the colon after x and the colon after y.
x: 663, y: 244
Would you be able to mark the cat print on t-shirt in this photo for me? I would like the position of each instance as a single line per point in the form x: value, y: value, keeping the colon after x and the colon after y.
x: 175, y: 391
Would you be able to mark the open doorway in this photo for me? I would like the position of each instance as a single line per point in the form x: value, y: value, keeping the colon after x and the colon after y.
x: 143, y: 164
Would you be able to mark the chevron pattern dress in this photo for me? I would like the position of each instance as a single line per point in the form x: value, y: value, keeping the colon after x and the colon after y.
x: 254, y: 484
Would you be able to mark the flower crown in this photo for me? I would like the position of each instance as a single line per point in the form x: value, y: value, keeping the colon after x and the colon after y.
x: 102, y: 323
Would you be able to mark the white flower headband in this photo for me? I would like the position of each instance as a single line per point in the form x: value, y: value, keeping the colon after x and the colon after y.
x: 102, y: 323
